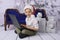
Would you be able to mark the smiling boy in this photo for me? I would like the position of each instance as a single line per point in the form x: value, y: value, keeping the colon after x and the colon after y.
x: 31, y: 26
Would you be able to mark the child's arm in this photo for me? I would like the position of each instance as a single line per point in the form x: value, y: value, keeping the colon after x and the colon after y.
x: 28, y: 27
x: 32, y: 28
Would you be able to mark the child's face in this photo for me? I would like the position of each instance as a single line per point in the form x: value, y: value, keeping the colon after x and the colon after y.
x: 28, y: 12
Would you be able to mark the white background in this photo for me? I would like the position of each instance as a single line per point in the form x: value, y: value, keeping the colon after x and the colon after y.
x: 4, y: 4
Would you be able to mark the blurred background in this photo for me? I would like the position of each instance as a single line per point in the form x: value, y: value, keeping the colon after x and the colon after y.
x: 52, y: 7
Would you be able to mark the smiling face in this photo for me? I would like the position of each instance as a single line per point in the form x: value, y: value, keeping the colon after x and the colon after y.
x: 28, y: 12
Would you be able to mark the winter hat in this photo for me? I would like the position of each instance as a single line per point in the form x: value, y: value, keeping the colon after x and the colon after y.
x: 28, y: 6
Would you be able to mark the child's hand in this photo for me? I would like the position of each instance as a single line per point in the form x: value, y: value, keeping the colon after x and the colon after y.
x: 23, y: 25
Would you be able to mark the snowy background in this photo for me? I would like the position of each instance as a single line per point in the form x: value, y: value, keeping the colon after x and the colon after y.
x: 52, y: 8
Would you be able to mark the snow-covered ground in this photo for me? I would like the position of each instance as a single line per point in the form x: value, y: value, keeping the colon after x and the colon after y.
x: 10, y: 35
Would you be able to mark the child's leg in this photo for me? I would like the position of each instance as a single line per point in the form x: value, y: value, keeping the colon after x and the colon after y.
x: 28, y: 32
x: 17, y: 30
x: 24, y: 33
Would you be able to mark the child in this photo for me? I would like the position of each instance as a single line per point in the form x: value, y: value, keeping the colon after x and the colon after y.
x: 31, y: 26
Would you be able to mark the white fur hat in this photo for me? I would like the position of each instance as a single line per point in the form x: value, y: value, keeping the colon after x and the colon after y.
x: 28, y: 6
